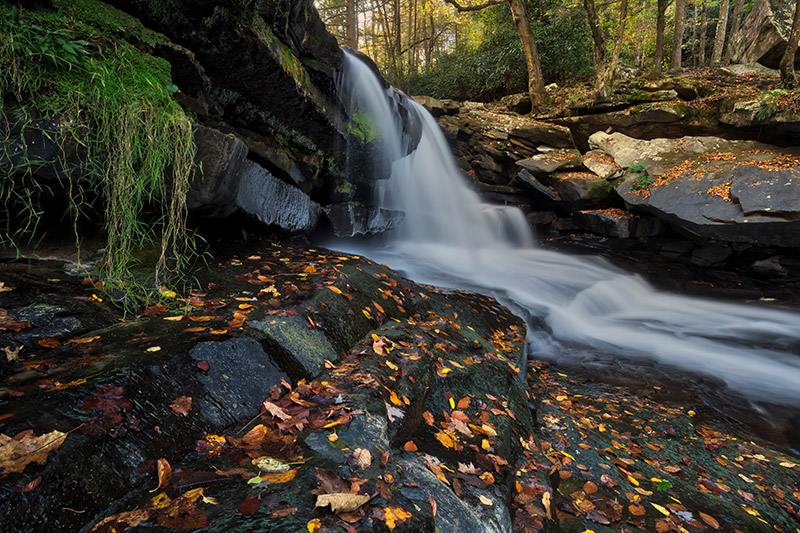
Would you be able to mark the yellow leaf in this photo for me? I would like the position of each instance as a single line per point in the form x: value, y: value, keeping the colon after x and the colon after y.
x: 366, y: 314
x: 16, y: 454
x: 174, y: 318
x: 660, y: 509
x: 169, y: 294
x: 751, y: 511
x: 485, y: 501
x: 161, y: 501
x: 444, y: 438
x: 395, y: 515
x: 342, y: 502
x: 334, y: 289
x: 314, y: 525
x: 153, y: 349
x: 633, y: 481
x: 310, y: 269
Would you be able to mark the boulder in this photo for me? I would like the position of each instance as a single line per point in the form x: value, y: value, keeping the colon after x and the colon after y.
x: 762, y: 38
x: 601, y: 164
x: 619, y: 223
x: 760, y: 113
x: 434, y: 106
x: 684, y: 89
x: 350, y: 220
x: 544, y: 133
x: 727, y: 191
x: 552, y: 161
x: 756, y: 69
x: 220, y: 160
x: 581, y: 188
x: 274, y: 202
x: 517, y: 103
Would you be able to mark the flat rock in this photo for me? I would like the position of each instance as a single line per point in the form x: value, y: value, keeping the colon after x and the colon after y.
x: 551, y: 161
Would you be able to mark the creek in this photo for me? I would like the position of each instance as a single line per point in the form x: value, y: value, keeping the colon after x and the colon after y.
x: 579, y: 310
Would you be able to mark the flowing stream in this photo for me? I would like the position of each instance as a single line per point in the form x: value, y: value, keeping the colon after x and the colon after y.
x: 577, y: 307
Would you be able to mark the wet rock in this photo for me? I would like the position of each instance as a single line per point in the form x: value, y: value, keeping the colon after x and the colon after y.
x: 530, y: 180
x: 350, y: 220
x: 45, y: 321
x: 436, y: 107
x: 239, y: 372
x: 301, y: 351
x: 770, y: 265
x: 582, y: 188
x: 541, y: 218
x: 768, y: 192
x: 274, y: 202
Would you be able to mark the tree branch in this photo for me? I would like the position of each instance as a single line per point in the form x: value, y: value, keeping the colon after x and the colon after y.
x: 462, y: 9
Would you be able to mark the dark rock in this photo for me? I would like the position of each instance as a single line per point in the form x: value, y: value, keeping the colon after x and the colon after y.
x: 46, y: 320
x: 581, y: 188
x: 239, y: 373
x: 541, y: 218
x: 712, y: 254
x: 220, y: 161
x: 767, y: 192
x: 762, y: 38
x: 530, y: 180
x: 544, y: 133
x: 517, y: 103
x: 274, y: 202
x: 350, y: 220
x: 436, y: 107
x: 620, y: 224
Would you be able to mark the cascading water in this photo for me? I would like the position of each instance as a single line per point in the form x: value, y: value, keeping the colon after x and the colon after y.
x: 450, y: 238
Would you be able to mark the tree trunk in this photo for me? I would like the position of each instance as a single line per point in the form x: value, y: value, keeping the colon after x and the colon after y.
x: 719, y: 36
x: 788, y: 78
x: 599, y: 51
x: 703, y: 33
x: 535, y: 82
x: 661, y: 23
x: 611, y: 68
x: 352, y: 24
x: 695, y: 41
x: 677, y: 37
x: 738, y: 6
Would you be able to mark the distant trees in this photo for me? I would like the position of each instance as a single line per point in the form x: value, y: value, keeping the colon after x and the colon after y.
x: 487, y: 48
x: 788, y: 77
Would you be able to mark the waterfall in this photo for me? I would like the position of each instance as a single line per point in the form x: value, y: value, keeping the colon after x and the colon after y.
x: 589, y: 308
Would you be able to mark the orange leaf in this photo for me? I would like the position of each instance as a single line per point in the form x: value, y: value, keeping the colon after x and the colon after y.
x: 445, y: 439
x: 709, y: 520
x: 428, y: 417
x: 279, y: 477
x: 395, y: 515
x: 589, y: 487
x: 463, y: 403
x: 637, y: 510
x: 181, y: 405
x: 311, y: 269
x: 164, y: 474
x: 49, y: 342
x: 410, y: 446
x: 255, y: 435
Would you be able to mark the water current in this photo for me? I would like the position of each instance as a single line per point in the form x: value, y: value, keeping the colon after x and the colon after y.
x: 576, y: 307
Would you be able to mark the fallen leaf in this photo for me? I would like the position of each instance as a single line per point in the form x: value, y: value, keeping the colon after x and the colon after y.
x: 433, y: 506
x: 313, y: 525
x: 589, y: 487
x: 250, y: 505
x: 709, y: 520
x: 342, y: 502
x: 485, y: 501
x: 181, y: 405
x: 410, y: 446
x: 362, y: 457
x: 12, y: 354
x: 49, y: 342
x: 17, y: 453
x: 275, y: 411
x: 204, y: 366
x: 154, y: 349
x: 29, y: 486
x: 270, y: 465
x: 164, y: 474
x: 660, y: 509
x: 394, y: 516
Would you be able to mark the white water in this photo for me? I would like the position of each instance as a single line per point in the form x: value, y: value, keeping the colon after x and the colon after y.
x: 450, y: 238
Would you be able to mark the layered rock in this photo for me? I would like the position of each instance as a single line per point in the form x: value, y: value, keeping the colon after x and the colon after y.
x: 762, y: 38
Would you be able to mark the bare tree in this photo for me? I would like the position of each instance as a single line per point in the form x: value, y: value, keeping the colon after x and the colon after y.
x: 677, y: 37
x: 719, y: 36
x: 536, y: 90
x: 788, y: 77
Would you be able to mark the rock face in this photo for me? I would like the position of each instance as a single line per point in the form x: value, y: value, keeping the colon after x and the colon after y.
x: 730, y: 191
x: 763, y: 36
x: 350, y: 220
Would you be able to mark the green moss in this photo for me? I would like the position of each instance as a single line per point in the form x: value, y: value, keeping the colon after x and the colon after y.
x: 601, y: 189
x: 114, y: 101
x: 362, y: 126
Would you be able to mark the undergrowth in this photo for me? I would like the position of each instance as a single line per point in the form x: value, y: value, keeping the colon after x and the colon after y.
x: 125, y: 147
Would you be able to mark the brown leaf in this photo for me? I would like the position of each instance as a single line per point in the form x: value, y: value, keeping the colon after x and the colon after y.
x: 275, y: 411
x: 281, y: 513
x: 589, y: 487
x: 181, y: 405
x: 157, y: 309
x: 16, y: 453
x: 255, y: 435
x: 343, y: 502
x: 637, y: 510
x: 12, y: 354
x: 362, y: 457
x: 27, y: 487
x: 250, y: 505
x: 433, y: 506
x: 709, y: 520
x: 164, y: 474
x: 330, y: 482
x: 49, y: 342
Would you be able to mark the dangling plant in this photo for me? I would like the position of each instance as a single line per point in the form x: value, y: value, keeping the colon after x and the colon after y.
x: 125, y: 147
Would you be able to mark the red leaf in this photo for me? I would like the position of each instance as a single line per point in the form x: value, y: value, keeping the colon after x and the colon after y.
x: 181, y: 405
x: 28, y: 486
x: 203, y: 365
x: 250, y: 505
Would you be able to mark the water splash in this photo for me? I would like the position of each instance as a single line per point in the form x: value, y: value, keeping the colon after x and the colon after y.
x: 450, y: 238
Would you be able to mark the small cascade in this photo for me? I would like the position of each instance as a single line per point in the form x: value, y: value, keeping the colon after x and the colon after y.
x: 589, y: 308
